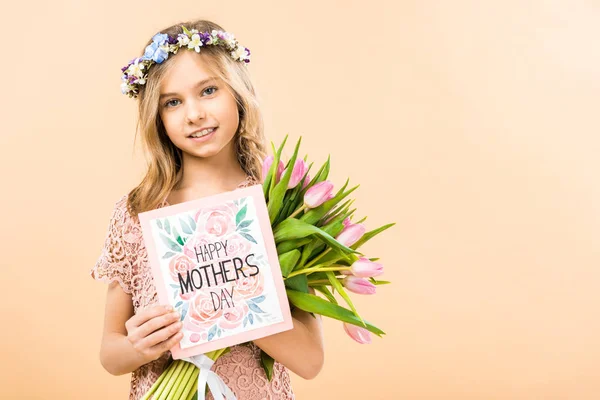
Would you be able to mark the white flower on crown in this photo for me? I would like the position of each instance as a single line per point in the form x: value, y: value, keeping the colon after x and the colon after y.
x: 183, y: 39
x: 165, y: 47
x: 239, y: 53
x: 230, y: 39
x: 136, y: 69
x: 195, y: 43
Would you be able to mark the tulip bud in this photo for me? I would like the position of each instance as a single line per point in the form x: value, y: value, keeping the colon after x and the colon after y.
x: 361, y: 335
x: 358, y: 285
x: 318, y: 194
x: 306, y: 181
x: 267, y: 162
x: 351, y: 234
x: 267, y: 165
x: 364, y: 268
x: 298, y: 172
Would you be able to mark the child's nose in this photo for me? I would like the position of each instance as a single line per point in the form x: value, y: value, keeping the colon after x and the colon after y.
x: 194, y: 112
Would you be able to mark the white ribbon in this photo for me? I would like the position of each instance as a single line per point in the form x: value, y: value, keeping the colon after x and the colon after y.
x: 218, y: 388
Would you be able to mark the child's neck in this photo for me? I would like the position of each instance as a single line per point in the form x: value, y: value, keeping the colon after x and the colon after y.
x: 205, y: 178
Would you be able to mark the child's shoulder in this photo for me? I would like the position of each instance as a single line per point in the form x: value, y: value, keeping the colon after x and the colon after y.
x: 120, y: 209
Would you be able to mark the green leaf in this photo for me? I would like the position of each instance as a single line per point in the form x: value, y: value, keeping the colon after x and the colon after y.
x: 241, y: 215
x: 298, y: 283
x: 376, y: 282
x: 267, y: 363
x: 273, y: 169
x: 290, y: 245
x: 312, y: 303
x: 288, y: 261
x: 292, y: 200
x: 369, y: 235
x: 325, y: 290
x: 293, y: 228
x: 340, y: 288
x: 278, y: 192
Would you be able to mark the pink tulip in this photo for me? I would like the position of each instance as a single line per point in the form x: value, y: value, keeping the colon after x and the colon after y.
x: 351, y: 234
x: 267, y: 162
x: 358, y: 285
x: 361, y: 335
x: 298, y: 172
x: 364, y: 268
x: 306, y: 181
x: 318, y: 194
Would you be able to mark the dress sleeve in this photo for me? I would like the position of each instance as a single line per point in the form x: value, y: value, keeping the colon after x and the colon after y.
x: 113, y: 263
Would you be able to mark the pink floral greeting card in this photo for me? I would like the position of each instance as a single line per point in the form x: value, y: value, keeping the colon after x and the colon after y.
x: 214, y: 259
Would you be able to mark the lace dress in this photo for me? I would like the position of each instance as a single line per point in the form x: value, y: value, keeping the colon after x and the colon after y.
x: 124, y: 259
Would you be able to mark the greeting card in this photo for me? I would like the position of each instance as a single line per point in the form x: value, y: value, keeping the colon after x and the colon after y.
x: 214, y: 259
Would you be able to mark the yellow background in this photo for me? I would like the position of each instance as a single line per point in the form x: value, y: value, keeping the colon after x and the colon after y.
x: 469, y: 123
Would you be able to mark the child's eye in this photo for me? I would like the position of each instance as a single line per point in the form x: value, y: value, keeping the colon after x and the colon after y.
x: 210, y: 87
x: 170, y: 103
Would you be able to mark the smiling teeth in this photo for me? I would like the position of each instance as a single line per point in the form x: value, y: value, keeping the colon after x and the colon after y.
x: 203, y: 133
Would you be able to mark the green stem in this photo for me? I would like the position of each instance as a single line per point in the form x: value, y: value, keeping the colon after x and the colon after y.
x: 167, y: 375
x: 157, y: 383
x: 297, y: 211
x: 314, y: 260
x: 188, y: 393
x: 317, y: 268
x: 319, y: 282
x: 186, y: 373
x: 172, y: 380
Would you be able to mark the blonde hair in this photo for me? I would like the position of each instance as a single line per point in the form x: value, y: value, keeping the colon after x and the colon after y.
x: 164, y: 159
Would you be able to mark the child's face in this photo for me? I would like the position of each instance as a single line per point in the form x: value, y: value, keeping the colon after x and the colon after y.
x: 186, y: 106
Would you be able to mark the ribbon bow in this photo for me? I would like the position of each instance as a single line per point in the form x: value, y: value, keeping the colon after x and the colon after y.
x: 218, y: 388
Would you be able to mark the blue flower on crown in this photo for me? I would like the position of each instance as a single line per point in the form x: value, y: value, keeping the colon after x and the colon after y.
x: 155, y: 52
x: 158, y: 50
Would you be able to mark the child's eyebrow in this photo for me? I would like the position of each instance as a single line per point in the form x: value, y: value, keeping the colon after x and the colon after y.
x: 202, y: 82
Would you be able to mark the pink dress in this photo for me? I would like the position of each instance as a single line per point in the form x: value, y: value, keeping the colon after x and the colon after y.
x: 124, y: 259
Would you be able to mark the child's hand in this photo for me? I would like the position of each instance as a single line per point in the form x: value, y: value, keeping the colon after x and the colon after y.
x: 154, y: 331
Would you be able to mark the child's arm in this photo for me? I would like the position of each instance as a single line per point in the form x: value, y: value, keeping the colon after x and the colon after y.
x: 130, y: 341
x: 300, y: 349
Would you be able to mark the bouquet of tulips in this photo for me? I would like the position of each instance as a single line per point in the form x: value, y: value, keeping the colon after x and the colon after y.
x: 317, y: 246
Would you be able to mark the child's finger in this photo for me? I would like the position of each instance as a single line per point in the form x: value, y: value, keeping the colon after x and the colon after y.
x: 156, y: 323
x: 148, y: 314
x: 170, y: 340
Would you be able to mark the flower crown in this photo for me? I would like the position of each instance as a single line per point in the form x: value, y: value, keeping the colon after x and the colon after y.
x: 136, y: 72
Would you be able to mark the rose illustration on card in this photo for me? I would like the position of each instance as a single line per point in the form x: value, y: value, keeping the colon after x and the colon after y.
x: 214, y: 259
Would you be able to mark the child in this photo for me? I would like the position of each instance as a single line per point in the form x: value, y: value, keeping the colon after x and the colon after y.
x: 202, y: 130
